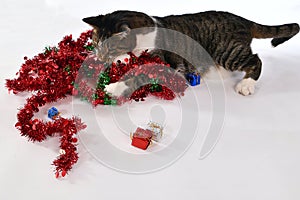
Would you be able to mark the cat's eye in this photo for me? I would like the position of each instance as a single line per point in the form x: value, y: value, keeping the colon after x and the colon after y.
x: 121, y: 34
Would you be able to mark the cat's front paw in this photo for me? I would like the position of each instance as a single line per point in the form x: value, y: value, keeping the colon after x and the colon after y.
x: 246, y: 87
x: 116, y: 89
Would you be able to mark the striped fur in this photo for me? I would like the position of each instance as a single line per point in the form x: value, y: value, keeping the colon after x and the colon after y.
x: 225, y: 36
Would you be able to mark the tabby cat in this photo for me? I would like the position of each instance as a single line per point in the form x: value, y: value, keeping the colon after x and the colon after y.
x: 225, y: 37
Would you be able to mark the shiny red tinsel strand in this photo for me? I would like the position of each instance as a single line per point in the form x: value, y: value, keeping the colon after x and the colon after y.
x: 151, y: 67
x: 54, y: 74
x: 51, y: 75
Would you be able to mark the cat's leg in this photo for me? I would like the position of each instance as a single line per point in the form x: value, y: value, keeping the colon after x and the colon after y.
x: 158, y: 53
x: 126, y: 87
x: 179, y: 64
x: 252, y: 67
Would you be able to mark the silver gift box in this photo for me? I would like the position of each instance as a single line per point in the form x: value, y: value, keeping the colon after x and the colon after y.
x: 157, y: 130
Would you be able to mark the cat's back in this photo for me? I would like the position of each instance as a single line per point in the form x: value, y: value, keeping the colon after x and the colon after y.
x: 206, y: 17
x: 210, y: 28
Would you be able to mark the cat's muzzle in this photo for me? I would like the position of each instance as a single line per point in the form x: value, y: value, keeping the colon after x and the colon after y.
x: 102, y: 53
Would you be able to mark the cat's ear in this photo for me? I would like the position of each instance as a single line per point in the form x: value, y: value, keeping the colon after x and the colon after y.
x: 123, y: 31
x: 93, y: 21
x: 124, y: 28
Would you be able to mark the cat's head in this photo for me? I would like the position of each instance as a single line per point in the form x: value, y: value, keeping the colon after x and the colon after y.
x: 112, y: 33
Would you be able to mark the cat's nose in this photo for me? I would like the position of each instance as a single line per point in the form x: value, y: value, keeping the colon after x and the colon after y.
x: 102, y: 57
x: 102, y: 54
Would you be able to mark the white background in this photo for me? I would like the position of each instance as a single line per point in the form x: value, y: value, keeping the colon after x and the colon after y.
x: 257, y: 156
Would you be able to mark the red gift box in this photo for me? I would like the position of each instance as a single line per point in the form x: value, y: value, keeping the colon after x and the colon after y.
x: 140, y: 143
x: 141, y: 138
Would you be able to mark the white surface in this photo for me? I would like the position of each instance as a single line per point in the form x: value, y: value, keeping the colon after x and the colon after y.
x: 257, y: 156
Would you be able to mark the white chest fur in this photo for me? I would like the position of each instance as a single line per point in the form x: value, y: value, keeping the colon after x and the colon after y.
x: 143, y: 42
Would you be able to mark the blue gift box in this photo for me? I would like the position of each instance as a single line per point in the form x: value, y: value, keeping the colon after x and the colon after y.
x: 193, y: 79
x: 53, y: 112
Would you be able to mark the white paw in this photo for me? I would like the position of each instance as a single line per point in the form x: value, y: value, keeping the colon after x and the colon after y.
x: 116, y: 89
x: 246, y: 87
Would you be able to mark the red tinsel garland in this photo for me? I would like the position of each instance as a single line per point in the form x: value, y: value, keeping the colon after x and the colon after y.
x: 152, y: 67
x: 69, y: 69
x: 46, y: 74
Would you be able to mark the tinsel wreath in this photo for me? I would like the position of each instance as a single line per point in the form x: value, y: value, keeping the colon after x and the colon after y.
x: 70, y: 69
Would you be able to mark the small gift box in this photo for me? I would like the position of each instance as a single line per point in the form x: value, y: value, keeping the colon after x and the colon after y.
x: 141, y: 138
x: 53, y: 113
x: 156, y: 129
x: 193, y: 79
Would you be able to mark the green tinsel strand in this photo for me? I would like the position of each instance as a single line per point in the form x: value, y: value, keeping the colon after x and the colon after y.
x: 89, y: 47
x: 103, y: 80
x: 155, y: 87
x: 95, y: 96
